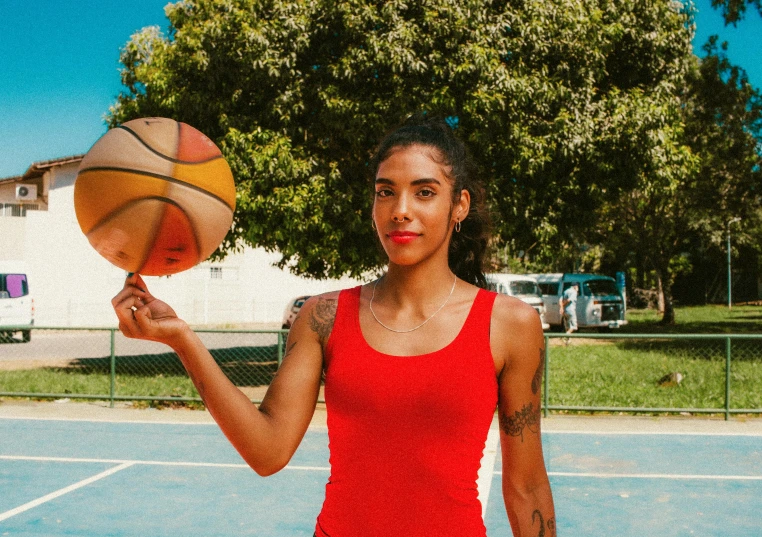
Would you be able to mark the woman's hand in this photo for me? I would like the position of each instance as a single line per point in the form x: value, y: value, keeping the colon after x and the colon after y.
x: 142, y: 316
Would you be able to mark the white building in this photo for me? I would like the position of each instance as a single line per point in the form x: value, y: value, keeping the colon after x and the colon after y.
x: 72, y: 284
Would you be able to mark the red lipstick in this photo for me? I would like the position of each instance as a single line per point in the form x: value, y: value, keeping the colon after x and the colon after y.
x: 402, y: 237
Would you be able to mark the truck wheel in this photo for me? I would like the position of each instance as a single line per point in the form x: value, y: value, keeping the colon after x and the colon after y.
x: 26, y: 336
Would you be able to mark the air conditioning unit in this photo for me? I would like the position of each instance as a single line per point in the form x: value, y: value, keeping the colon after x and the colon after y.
x: 26, y: 192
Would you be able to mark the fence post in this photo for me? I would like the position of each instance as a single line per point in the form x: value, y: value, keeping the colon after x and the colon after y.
x: 545, y: 388
x: 280, y: 349
x: 112, y: 380
x: 727, y: 377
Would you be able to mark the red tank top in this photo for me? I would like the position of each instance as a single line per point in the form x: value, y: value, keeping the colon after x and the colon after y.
x: 406, y: 433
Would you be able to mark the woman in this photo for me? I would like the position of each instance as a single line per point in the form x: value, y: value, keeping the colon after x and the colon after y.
x: 415, y: 364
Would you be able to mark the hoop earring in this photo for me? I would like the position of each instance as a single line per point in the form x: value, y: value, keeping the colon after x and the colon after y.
x: 457, y: 226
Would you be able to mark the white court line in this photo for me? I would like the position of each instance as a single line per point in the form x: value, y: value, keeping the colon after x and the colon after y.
x: 152, y: 463
x: 106, y: 420
x: 654, y: 476
x: 61, y: 492
x: 546, y: 429
x: 646, y: 433
x: 484, y: 481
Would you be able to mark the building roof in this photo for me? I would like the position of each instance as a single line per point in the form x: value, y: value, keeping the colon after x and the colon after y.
x: 38, y: 168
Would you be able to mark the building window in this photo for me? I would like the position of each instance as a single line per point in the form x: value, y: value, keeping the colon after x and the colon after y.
x: 17, y: 209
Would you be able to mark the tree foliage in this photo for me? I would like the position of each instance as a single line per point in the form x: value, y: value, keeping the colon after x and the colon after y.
x: 592, y: 122
x: 564, y: 104
x: 735, y: 10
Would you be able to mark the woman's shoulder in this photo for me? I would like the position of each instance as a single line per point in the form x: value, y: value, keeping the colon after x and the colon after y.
x: 319, y: 311
x: 514, y: 315
x: 321, y: 305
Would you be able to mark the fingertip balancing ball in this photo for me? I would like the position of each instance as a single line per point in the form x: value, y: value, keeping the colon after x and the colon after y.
x: 154, y: 196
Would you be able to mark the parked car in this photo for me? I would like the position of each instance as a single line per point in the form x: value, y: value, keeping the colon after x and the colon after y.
x: 600, y: 303
x: 292, y: 309
x: 521, y: 286
x: 16, y: 303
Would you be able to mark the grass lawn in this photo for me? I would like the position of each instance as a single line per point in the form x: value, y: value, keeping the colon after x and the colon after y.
x: 712, y: 319
x: 584, y: 372
x: 626, y: 373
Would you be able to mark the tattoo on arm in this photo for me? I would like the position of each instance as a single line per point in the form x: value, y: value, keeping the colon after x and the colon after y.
x: 537, y: 380
x: 526, y: 418
x: 537, y: 514
x: 322, y: 317
x: 551, y: 524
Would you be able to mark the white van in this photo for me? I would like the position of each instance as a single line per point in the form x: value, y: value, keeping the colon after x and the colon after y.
x: 600, y: 303
x: 16, y: 304
x: 521, y: 286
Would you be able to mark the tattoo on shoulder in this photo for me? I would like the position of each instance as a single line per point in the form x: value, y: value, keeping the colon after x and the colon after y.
x: 537, y: 379
x: 322, y: 317
x: 551, y: 524
x: 526, y: 418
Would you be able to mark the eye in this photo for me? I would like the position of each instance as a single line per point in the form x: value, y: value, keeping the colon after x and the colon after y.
x: 383, y: 192
x: 426, y: 193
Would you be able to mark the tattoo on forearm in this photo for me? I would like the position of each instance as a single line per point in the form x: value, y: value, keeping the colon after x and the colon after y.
x: 537, y: 514
x: 526, y: 418
x: 537, y: 380
x: 551, y: 524
x: 322, y: 317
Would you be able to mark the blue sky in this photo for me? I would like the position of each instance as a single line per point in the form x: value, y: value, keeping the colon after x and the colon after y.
x: 59, y: 62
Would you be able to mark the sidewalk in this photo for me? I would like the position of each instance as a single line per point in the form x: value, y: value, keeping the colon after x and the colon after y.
x: 604, y: 424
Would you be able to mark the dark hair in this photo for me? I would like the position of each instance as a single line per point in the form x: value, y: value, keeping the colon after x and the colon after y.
x: 468, y: 247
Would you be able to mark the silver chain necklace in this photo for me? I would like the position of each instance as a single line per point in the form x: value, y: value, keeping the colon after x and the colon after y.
x: 373, y: 295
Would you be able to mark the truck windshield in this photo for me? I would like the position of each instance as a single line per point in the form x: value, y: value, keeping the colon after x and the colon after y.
x: 524, y: 288
x: 601, y: 287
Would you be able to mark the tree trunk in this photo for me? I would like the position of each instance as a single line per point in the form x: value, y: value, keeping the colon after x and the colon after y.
x: 664, y: 285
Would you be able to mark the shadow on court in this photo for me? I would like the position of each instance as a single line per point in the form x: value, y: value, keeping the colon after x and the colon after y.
x: 247, y: 366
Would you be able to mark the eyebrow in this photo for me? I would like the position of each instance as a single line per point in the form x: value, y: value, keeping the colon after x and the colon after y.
x: 416, y: 182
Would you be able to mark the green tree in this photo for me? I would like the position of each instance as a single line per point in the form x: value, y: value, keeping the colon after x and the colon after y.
x: 735, y: 10
x: 567, y: 106
x: 718, y: 178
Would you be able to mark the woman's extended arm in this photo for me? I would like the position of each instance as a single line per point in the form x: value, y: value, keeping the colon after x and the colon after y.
x: 518, y: 342
x: 266, y: 437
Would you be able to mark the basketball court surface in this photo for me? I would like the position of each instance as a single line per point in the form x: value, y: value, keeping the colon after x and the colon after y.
x: 87, y: 470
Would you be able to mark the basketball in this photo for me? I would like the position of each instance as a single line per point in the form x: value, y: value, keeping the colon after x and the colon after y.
x: 154, y: 196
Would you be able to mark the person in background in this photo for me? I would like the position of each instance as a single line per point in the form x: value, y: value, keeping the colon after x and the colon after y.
x: 568, y: 307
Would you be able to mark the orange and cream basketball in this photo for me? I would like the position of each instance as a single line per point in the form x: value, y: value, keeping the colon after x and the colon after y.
x: 154, y: 196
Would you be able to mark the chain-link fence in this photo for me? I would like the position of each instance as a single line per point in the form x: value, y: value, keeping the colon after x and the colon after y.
x: 104, y: 364
x: 706, y: 374
x: 650, y: 373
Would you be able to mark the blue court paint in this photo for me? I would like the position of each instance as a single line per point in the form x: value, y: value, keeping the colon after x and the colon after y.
x: 138, y: 441
x: 24, y: 481
x: 165, y: 499
x: 646, y: 507
x: 170, y: 501
x: 652, y: 454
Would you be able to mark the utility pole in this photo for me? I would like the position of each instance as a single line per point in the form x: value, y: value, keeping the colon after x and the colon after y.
x: 730, y: 288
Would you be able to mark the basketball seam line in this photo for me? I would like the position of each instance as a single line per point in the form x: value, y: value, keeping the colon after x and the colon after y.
x: 156, y: 176
x: 162, y: 155
x: 124, y: 207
